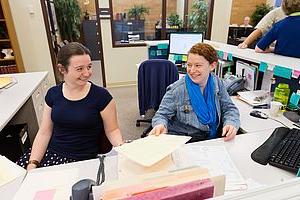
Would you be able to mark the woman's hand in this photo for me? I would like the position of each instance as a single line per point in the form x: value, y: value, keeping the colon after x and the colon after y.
x: 158, y: 129
x: 229, y: 132
x: 243, y: 45
x: 31, y: 166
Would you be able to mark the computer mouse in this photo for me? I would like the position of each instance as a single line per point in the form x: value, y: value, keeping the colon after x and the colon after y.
x: 258, y: 114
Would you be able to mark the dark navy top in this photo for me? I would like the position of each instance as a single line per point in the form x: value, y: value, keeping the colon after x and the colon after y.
x: 78, y: 130
x: 286, y: 32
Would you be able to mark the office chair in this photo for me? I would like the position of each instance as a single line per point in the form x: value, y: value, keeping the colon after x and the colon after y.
x: 154, y: 76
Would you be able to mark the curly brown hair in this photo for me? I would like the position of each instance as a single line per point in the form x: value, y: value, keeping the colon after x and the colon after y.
x: 205, y: 50
x: 290, y: 6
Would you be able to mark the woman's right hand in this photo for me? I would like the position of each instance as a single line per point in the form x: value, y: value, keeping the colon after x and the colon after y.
x: 158, y: 129
x: 243, y: 45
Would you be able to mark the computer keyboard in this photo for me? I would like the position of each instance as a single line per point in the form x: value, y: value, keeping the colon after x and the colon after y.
x: 286, y: 154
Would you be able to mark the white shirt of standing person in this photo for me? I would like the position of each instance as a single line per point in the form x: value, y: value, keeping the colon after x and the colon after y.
x: 246, y: 22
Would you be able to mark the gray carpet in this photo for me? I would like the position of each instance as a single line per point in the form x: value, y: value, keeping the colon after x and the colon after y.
x: 128, y: 112
x: 127, y: 105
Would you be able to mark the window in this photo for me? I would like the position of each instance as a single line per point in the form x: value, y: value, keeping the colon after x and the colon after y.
x: 134, y: 21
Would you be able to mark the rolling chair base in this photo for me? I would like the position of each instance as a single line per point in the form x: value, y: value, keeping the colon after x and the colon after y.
x: 138, y: 122
x: 148, y: 129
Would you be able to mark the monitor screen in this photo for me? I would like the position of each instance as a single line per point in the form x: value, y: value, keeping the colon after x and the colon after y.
x: 181, y: 43
x: 238, y: 32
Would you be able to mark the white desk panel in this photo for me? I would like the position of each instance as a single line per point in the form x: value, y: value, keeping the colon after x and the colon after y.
x: 251, y: 55
x: 240, y: 149
x: 251, y: 124
x: 247, y: 54
x: 13, y: 98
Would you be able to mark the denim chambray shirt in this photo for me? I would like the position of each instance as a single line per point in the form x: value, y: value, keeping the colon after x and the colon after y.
x: 176, y: 102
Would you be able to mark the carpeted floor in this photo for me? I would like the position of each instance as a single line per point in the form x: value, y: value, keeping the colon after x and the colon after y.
x: 128, y: 111
x: 127, y: 105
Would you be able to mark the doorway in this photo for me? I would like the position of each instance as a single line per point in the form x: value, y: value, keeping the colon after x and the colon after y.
x: 90, y: 36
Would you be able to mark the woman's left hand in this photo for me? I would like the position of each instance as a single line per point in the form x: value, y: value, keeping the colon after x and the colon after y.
x: 229, y: 132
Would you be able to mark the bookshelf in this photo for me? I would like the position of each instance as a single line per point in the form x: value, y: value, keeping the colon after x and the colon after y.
x: 10, y: 55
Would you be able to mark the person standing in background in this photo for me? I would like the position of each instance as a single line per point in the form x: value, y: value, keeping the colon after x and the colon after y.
x: 263, y: 26
x: 285, y: 33
x: 246, y: 22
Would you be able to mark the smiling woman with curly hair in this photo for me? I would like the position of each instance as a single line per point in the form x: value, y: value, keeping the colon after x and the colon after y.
x: 198, y: 100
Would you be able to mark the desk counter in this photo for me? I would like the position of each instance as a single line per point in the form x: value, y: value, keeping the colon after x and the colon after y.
x: 13, y: 98
x: 247, y: 54
x: 251, y: 124
x: 251, y: 55
x: 239, y: 150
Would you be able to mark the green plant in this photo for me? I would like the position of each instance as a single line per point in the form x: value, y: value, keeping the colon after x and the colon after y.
x: 198, y: 17
x: 138, y: 11
x: 260, y: 11
x: 68, y: 19
x: 173, y: 20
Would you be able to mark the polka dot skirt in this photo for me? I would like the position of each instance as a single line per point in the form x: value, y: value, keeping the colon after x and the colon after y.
x: 49, y: 159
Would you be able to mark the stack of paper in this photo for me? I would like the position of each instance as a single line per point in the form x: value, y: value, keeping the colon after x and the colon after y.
x: 257, y: 97
x: 214, y: 158
x: 7, y: 81
x: 149, y: 150
x: 247, y: 71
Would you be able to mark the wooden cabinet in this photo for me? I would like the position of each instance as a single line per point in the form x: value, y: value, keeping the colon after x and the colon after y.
x: 10, y: 55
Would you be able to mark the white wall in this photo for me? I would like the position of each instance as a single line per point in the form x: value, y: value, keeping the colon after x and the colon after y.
x: 270, y: 2
x: 31, y: 35
x: 180, y: 8
x: 120, y: 63
x: 221, y: 20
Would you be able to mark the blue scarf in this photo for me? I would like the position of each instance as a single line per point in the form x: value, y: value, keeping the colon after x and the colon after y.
x: 204, y: 105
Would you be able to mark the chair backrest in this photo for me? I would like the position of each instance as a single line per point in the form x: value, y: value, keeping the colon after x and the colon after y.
x: 154, y: 76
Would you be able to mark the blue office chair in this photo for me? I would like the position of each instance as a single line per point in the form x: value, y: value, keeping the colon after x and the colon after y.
x: 154, y: 76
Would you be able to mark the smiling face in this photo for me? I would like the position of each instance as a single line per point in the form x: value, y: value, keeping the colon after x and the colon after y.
x: 198, y: 69
x: 79, y: 70
x: 202, y: 59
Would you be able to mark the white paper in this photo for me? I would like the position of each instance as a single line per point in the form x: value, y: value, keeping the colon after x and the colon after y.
x: 247, y: 71
x: 98, y: 191
x: 9, y: 171
x: 128, y: 168
x: 151, y: 149
x: 11, y: 177
x: 111, y: 166
x: 214, y: 158
x: 61, y: 180
x: 257, y: 97
x: 267, y: 80
x: 250, y: 73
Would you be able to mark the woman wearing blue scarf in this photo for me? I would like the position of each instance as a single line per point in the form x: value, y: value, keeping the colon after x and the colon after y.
x: 199, y: 99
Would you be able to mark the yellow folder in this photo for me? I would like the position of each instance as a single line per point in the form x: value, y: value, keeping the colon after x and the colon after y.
x: 5, y: 81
